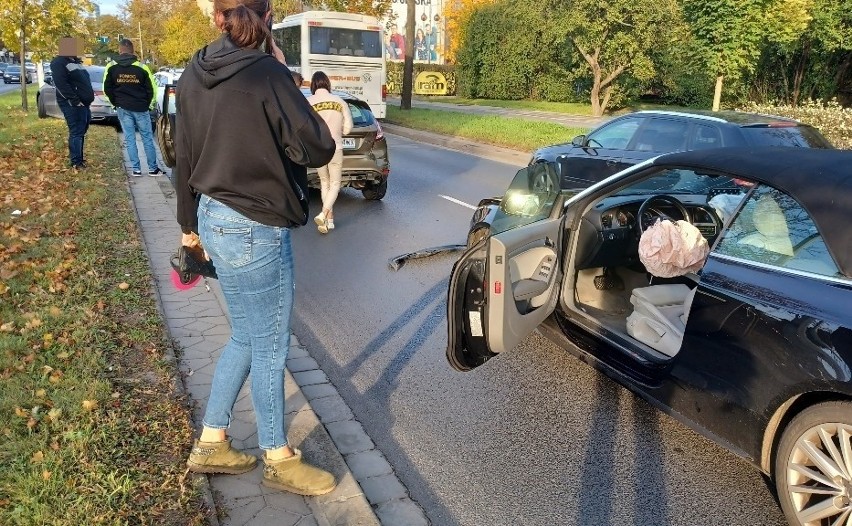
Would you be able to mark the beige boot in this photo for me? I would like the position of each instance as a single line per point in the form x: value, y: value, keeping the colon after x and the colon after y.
x: 219, y: 457
x: 294, y: 475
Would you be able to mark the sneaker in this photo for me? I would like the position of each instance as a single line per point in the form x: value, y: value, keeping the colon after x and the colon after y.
x: 137, y: 173
x: 330, y: 224
x: 219, y: 457
x: 155, y: 172
x: 322, y: 223
x: 296, y: 476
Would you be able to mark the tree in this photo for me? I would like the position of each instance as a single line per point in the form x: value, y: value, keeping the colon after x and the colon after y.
x: 186, y: 30
x: 458, y: 15
x: 614, y: 38
x: 285, y: 8
x: 145, y: 19
x: 376, y: 8
x: 39, y: 24
x: 408, y: 66
x: 732, y: 32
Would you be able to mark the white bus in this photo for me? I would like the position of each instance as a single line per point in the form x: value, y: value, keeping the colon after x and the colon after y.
x: 347, y: 47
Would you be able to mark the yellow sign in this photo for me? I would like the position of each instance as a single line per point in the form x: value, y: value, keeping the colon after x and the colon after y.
x: 430, y: 83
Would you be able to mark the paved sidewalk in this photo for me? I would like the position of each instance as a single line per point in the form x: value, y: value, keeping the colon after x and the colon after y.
x: 197, y: 322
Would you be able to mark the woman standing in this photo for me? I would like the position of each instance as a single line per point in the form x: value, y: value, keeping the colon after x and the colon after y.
x: 244, y: 133
x: 335, y: 112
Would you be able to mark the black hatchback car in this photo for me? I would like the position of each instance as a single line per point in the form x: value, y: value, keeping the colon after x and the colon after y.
x: 754, y: 350
x: 641, y: 135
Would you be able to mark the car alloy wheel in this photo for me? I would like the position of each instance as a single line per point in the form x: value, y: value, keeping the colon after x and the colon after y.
x: 814, y: 466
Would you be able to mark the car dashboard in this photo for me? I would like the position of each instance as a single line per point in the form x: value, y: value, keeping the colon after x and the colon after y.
x: 609, y: 235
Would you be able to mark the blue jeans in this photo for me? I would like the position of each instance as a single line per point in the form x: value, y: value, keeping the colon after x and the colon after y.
x: 131, y: 122
x: 77, y: 118
x: 254, y: 263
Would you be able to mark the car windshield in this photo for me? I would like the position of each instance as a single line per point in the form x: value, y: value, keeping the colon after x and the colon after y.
x: 794, y: 136
x: 360, y: 116
x: 680, y: 181
x: 13, y: 69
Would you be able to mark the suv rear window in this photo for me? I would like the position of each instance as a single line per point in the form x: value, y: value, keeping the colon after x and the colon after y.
x: 796, y: 136
x: 361, y: 116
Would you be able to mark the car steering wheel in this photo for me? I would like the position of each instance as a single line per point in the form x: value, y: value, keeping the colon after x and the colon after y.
x: 660, y: 199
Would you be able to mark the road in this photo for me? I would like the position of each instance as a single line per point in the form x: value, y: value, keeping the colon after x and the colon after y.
x: 533, y: 437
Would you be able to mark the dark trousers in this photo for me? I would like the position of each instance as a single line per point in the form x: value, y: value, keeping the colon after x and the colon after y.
x: 77, y: 118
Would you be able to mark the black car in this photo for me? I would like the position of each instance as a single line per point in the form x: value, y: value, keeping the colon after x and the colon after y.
x: 641, y: 135
x: 753, y: 349
x: 12, y: 75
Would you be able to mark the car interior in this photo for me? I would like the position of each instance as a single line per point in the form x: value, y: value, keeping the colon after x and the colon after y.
x: 607, y: 284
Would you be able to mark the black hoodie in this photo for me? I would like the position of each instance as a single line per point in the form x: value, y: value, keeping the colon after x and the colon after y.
x: 243, y: 129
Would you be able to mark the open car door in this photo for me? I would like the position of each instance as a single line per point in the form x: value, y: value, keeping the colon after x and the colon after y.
x: 507, y: 284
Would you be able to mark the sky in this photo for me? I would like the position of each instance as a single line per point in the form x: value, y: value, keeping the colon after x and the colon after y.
x: 109, y: 7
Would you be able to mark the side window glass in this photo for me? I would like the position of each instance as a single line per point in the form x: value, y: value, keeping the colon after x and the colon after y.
x: 289, y: 41
x: 529, y: 198
x: 773, y: 229
x: 662, y: 135
x: 706, y: 137
x: 615, y: 136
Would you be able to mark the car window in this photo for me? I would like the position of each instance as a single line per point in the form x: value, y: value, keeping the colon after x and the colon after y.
x: 705, y: 137
x: 683, y: 181
x: 614, y: 136
x: 661, y: 135
x: 772, y: 228
x: 794, y: 136
x: 529, y: 198
x: 360, y: 116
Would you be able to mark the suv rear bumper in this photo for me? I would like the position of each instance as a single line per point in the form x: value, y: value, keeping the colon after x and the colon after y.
x: 356, y: 173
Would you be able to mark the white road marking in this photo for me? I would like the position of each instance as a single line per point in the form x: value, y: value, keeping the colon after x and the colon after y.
x: 456, y: 201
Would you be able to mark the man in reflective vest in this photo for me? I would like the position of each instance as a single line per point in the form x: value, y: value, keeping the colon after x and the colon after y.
x: 131, y: 88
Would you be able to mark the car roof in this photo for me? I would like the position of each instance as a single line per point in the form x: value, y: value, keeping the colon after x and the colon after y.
x: 820, y: 180
x: 740, y: 118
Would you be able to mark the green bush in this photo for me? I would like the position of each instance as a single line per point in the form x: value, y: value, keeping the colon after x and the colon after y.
x: 394, y: 80
x: 830, y: 118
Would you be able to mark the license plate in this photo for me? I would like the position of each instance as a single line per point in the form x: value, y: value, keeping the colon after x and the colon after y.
x: 348, y: 143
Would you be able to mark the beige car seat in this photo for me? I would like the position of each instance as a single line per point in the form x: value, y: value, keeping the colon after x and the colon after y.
x: 659, y: 316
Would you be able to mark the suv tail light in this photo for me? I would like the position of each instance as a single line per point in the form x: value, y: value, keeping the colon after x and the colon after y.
x: 384, y: 91
x: 380, y: 134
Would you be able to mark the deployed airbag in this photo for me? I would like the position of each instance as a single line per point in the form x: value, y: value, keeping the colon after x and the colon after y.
x: 670, y: 249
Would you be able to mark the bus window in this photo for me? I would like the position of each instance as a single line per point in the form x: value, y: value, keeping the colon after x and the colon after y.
x: 342, y: 41
x: 287, y: 38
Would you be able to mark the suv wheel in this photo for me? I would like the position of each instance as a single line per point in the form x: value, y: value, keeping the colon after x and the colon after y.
x: 375, y: 191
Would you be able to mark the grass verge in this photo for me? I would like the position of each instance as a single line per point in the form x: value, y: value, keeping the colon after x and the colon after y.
x: 92, y: 430
x: 517, y: 134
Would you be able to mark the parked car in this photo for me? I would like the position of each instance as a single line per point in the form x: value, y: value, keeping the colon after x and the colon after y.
x: 166, y: 80
x: 754, y: 350
x: 12, y: 75
x: 366, y: 165
x: 641, y: 135
x: 102, y: 110
x: 3, y: 66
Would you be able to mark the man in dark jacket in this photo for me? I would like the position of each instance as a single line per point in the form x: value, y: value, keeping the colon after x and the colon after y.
x: 74, y: 94
x: 130, y: 87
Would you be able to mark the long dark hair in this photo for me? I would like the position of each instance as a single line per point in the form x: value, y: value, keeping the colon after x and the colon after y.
x: 320, y: 81
x: 244, y: 22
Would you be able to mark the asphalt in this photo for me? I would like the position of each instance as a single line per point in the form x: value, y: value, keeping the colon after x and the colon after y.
x: 319, y: 421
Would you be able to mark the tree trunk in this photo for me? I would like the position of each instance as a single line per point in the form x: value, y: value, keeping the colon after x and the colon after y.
x: 23, y: 70
x: 717, y: 95
x: 408, y: 67
x: 799, y: 74
x: 597, y: 110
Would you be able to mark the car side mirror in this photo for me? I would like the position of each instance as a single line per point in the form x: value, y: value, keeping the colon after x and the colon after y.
x: 579, y: 141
